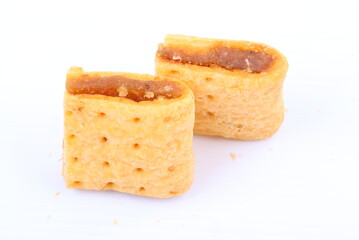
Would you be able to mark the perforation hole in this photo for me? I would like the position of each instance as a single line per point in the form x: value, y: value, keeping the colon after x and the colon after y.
x: 211, y: 114
x: 138, y: 170
x: 80, y: 109
x: 75, y: 159
x: 136, y: 120
x: 210, y: 97
x: 173, y: 193
x: 136, y: 146
x: 102, y: 114
x: 167, y: 119
x: 171, y: 169
x: 239, y: 126
x: 106, y: 164
x: 173, y: 72
x: 104, y: 139
x: 72, y: 136
x: 208, y: 79
x: 142, y: 189
x: 108, y: 186
x: 68, y: 113
x: 77, y: 183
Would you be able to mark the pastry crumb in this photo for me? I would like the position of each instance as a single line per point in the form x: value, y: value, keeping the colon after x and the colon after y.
x: 175, y: 57
x: 158, y: 220
x: 149, y: 94
x: 233, y: 156
x: 248, y: 65
x: 168, y: 88
x: 161, y: 98
x: 122, y: 92
x: 115, y: 222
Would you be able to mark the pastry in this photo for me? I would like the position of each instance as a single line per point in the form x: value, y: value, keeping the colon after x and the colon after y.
x: 128, y: 132
x: 237, y: 84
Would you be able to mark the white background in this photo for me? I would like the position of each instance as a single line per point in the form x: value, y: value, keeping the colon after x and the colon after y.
x: 300, y: 184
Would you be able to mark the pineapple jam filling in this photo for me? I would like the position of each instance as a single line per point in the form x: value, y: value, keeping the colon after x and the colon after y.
x: 120, y: 86
x: 221, y: 56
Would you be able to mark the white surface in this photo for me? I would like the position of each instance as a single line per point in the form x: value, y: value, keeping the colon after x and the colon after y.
x: 300, y: 184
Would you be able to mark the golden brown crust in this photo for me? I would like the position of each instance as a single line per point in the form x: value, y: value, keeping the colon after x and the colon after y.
x: 114, y: 143
x: 230, y: 103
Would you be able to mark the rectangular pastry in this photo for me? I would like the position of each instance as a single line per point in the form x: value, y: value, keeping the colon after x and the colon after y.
x: 237, y: 84
x: 128, y: 132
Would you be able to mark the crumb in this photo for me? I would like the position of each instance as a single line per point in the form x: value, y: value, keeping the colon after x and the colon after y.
x: 160, y: 98
x: 176, y: 58
x: 149, y: 94
x: 122, y: 92
x: 115, y: 222
x: 57, y: 194
x: 158, y: 220
x: 168, y: 88
x: 50, y: 216
x: 248, y: 65
x: 233, y: 156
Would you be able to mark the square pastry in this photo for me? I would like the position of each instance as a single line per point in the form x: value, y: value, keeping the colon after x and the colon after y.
x: 237, y: 84
x: 128, y: 132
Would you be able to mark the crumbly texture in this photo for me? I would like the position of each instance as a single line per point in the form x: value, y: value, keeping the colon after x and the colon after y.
x: 114, y: 143
x: 230, y: 103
